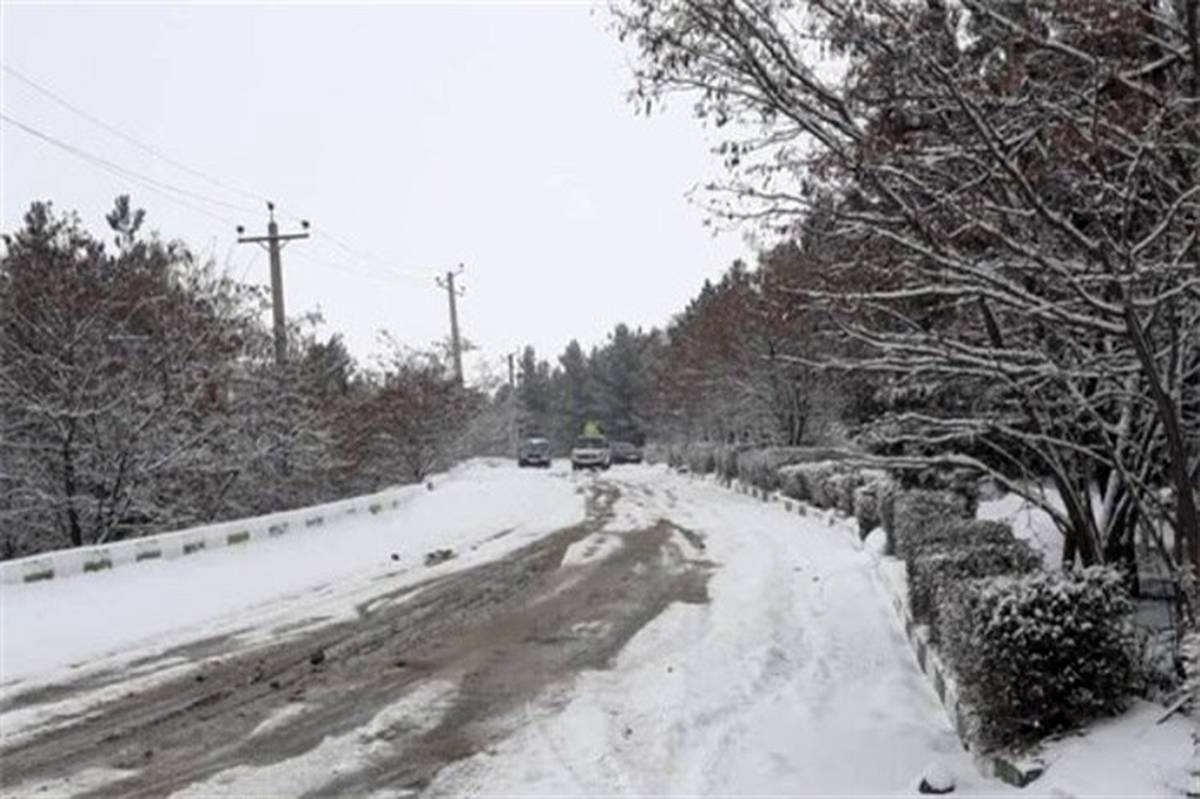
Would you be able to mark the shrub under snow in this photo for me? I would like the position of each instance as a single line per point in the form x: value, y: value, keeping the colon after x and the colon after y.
x: 951, y: 534
x: 917, y: 511
x: 700, y: 456
x: 867, y: 500
x: 1041, y: 653
x: 934, y: 571
x: 810, y: 482
x: 765, y: 467
x: 725, y: 458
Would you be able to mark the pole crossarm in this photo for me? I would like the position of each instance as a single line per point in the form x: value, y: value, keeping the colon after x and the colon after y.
x: 274, y: 242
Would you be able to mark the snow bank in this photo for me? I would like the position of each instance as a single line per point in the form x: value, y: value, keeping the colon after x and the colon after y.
x: 195, y: 540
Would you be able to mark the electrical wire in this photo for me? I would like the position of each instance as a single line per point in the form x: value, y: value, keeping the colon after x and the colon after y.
x: 163, y: 189
x: 369, y: 257
x: 31, y: 83
x: 114, y: 168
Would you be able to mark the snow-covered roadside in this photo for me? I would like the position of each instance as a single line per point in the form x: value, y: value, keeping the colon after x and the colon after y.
x: 51, y: 628
x: 1137, y: 754
x: 792, y: 680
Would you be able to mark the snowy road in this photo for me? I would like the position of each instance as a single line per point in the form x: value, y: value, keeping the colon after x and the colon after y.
x: 630, y: 633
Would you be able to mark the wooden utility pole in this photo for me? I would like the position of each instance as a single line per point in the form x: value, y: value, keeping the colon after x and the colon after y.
x: 274, y: 242
x: 512, y: 404
x: 454, y: 294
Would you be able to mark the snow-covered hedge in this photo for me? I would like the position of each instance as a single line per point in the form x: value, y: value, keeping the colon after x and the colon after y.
x: 934, y: 571
x: 963, y: 482
x: 949, y: 535
x: 765, y: 468
x: 725, y: 459
x: 886, y: 503
x: 868, y: 499
x: 1039, y: 654
x: 810, y: 482
x: 700, y: 457
x: 655, y: 452
x: 841, y: 489
x: 916, y: 511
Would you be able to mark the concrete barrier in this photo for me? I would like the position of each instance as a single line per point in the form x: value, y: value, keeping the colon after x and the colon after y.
x: 192, y: 541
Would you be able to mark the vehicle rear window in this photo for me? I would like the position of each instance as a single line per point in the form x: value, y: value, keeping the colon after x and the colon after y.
x: 590, y: 442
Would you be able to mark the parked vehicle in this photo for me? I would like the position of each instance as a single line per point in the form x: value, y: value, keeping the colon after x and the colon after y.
x: 625, y: 452
x: 591, y: 452
x: 534, y: 451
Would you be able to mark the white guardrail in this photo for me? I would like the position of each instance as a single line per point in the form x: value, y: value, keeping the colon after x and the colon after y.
x: 67, y: 562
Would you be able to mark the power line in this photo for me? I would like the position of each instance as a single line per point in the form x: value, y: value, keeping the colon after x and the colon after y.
x: 163, y: 189
x: 30, y: 82
x: 350, y: 268
x: 115, y: 167
x: 366, y: 256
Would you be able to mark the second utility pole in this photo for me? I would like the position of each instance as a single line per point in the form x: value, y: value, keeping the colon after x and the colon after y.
x: 455, y: 343
x: 275, y: 242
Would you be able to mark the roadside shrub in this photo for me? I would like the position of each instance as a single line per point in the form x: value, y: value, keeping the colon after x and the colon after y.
x: 700, y: 457
x: 655, y: 452
x: 886, y: 502
x: 961, y: 481
x: 1039, y: 654
x: 933, y: 571
x: 844, y: 487
x: 809, y: 482
x: 725, y: 459
x: 914, y: 511
x: 764, y: 467
x: 674, y: 454
x: 839, y: 486
x: 867, y: 500
x: 952, y: 534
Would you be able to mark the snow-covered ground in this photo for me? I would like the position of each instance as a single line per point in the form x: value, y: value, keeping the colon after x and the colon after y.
x: 793, y: 678
x: 48, y: 626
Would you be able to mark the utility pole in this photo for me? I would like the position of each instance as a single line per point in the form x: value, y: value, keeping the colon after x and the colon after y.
x: 274, y: 242
x: 454, y: 294
x: 512, y: 403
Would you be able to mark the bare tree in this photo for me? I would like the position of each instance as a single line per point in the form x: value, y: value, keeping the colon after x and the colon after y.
x: 1021, y: 180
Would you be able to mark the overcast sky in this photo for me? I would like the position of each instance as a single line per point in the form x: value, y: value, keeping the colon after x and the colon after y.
x: 419, y: 136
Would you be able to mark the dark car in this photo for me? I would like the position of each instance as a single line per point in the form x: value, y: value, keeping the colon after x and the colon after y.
x: 625, y: 452
x: 534, y: 452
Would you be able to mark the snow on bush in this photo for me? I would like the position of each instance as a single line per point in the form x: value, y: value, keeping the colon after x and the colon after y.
x: 886, y: 506
x: 868, y: 499
x: 916, y: 511
x: 951, y: 534
x: 655, y: 452
x: 700, y: 457
x: 934, y: 571
x: 764, y: 467
x: 725, y: 459
x: 841, y: 489
x: 964, y: 482
x: 809, y: 482
x: 1041, y: 653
